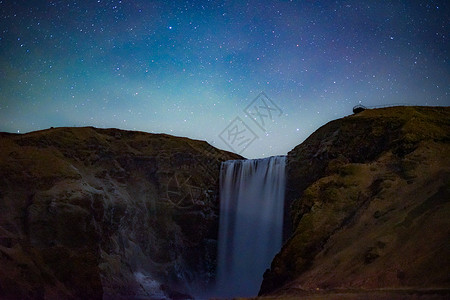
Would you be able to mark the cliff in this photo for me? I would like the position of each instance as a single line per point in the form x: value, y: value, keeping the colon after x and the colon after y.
x: 91, y: 213
x: 370, y: 208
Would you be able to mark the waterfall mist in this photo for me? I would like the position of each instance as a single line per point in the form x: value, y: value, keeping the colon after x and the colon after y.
x: 251, y: 223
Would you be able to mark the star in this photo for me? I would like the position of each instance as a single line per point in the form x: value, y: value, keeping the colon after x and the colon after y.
x: 315, y: 60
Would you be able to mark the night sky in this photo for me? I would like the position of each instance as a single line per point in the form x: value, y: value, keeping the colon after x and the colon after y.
x: 198, y: 68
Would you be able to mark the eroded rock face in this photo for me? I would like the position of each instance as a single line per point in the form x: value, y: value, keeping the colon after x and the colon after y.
x: 370, y: 205
x: 91, y: 213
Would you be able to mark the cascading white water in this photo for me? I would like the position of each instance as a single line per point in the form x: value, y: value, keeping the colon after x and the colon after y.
x: 251, y: 223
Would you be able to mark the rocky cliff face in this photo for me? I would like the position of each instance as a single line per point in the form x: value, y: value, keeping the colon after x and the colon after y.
x: 370, y: 205
x: 91, y: 213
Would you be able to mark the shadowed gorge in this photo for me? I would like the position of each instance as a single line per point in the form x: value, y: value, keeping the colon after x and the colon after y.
x: 89, y: 213
x: 98, y: 202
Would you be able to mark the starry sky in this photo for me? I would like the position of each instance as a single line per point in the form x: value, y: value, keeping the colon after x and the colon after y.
x: 255, y: 77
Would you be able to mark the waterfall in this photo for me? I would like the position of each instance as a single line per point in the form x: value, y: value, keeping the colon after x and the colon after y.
x: 251, y: 223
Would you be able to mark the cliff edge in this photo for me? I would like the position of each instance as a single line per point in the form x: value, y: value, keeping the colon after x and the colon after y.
x: 370, y: 209
x: 89, y: 213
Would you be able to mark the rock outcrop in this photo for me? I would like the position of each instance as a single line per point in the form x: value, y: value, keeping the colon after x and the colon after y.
x: 90, y: 213
x: 370, y: 208
x: 87, y: 213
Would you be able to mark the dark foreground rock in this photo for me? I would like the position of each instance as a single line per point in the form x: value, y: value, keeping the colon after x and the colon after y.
x: 90, y: 213
x: 361, y: 294
x: 370, y: 205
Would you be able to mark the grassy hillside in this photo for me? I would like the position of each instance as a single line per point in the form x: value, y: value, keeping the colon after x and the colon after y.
x: 370, y: 208
x: 85, y: 211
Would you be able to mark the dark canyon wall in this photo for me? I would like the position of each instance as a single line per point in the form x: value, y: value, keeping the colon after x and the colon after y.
x: 91, y: 213
x: 87, y: 213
